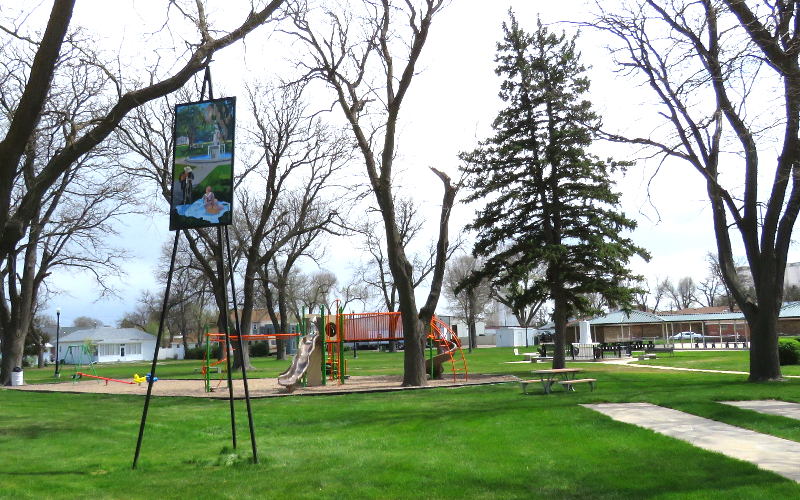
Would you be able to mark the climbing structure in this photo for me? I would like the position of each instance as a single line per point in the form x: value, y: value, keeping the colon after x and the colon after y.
x: 444, y: 345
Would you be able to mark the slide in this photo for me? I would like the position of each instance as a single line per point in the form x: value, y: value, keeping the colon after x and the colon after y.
x: 300, y: 363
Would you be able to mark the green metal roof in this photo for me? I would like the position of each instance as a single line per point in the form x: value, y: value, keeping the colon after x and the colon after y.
x: 685, y: 318
x: 623, y: 318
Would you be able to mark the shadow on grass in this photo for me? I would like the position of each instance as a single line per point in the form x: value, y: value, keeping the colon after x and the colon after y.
x: 47, y: 473
x: 33, y: 431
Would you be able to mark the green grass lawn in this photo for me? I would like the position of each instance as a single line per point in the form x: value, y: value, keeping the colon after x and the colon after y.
x: 367, y: 363
x: 385, y: 363
x: 472, y: 442
x: 712, y: 360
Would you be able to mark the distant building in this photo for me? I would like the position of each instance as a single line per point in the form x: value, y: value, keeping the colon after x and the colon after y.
x: 108, y: 345
x: 791, y: 276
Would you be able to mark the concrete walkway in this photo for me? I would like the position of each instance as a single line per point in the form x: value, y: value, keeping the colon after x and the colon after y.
x: 629, y: 362
x: 767, y: 452
x: 771, y: 407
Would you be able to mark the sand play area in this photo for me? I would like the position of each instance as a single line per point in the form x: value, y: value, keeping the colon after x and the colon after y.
x: 259, y: 387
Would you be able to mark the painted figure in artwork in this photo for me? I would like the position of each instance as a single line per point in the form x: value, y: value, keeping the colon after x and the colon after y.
x: 210, y: 202
x: 187, y: 184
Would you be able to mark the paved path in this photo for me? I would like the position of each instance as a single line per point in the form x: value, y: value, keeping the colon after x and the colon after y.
x: 629, y: 362
x: 767, y: 452
x: 770, y: 406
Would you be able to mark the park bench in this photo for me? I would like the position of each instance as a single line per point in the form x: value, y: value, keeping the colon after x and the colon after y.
x: 566, y: 383
x: 663, y: 349
x: 561, y: 376
x: 569, y: 383
x: 647, y: 356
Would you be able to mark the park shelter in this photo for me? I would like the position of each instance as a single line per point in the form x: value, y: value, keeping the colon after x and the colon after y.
x: 108, y: 345
x: 714, y: 327
x: 620, y: 326
x: 789, y: 319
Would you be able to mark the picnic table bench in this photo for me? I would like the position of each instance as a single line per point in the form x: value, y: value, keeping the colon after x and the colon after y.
x: 642, y: 357
x: 670, y: 349
x: 561, y: 376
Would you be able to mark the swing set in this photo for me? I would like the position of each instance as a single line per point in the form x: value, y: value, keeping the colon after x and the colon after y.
x: 219, y: 338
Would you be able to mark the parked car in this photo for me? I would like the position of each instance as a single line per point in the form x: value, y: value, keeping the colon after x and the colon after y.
x: 686, y: 336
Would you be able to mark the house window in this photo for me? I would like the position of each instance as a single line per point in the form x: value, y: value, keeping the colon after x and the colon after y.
x: 108, y: 349
x: 134, y: 349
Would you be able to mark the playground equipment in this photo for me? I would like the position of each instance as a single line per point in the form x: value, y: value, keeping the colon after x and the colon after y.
x: 81, y: 374
x: 138, y: 379
x: 301, y: 360
x: 373, y: 328
x: 76, y: 354
x: 208, y: 364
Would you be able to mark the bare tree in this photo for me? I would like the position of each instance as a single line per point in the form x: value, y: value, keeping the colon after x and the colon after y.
x: 313, y: 290
x: 715, y: 276
x: 278, y: 277
x: 376, y: 273
x: 19, y: 210
x: 86, y: 322
x: 710, y: 290
x: 659, y: 291
x: 354, y: 290
x: 293, y: 145
x: 71, y: 222
x: 710, y: 65
x: 642, y: 296
x: 369, y: 64
x: 144, y: 314
x: 682, y: 295
x: 470, y: 302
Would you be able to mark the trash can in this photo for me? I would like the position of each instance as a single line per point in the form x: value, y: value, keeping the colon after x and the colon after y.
x: 16, y: 376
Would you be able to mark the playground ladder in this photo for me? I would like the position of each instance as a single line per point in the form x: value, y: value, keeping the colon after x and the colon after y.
x: 444, y: 337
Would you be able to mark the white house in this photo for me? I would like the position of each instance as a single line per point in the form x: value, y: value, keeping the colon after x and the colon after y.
x: 109, y: 345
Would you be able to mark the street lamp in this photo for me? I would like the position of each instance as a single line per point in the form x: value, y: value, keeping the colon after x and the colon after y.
x: 58, y: 327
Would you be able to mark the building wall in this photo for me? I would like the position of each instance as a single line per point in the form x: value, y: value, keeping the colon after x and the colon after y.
x: 514, y: 337
x: 109, y: 352
x: 792, y: 275
x: 789, y: 326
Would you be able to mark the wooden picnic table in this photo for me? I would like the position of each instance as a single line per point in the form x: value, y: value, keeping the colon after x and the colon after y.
x: 552, y: 376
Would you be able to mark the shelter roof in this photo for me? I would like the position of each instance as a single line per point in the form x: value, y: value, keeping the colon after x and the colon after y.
x: 624, y: 318
x: 790, y: 310
x: 684, y: 318
x: 108, y: 334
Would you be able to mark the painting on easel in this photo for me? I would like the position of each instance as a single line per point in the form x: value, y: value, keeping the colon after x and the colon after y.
x: 202, y: 171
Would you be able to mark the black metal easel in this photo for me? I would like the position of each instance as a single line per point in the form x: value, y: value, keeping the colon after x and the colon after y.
x: 221, y: 272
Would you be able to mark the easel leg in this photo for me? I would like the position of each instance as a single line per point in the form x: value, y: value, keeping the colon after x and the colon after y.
x: 155, y: 351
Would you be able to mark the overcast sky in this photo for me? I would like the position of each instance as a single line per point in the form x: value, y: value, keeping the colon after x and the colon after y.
x: 449, y: 109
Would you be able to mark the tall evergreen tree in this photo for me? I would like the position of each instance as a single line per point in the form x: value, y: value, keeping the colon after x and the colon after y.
x: 550, y: 202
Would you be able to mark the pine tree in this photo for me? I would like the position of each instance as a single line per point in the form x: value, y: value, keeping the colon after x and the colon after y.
x: 548, y: 200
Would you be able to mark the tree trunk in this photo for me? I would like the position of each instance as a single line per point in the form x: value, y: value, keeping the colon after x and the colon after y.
x: 763, y: 322
x: 764, y: 362
x: 246, y: 316
x: 414, y: 326
x: 560, y: 321
x: 473, y: 330
x: 18, y: 320
x: 473, y: 336
x: 280, y: 343
x: 12, y: 356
